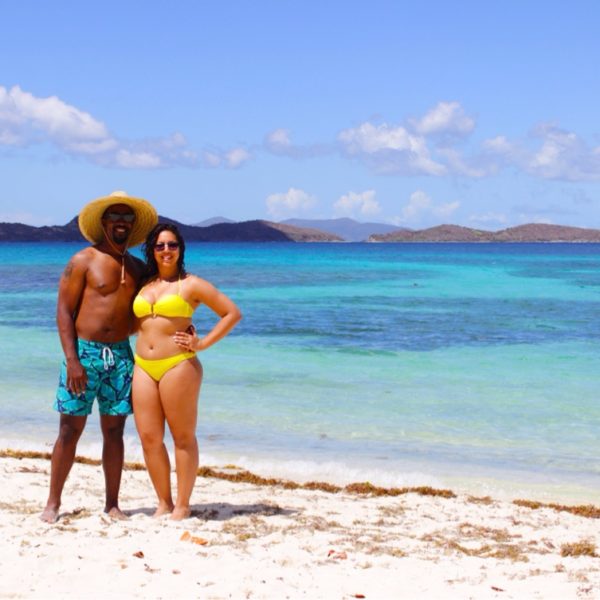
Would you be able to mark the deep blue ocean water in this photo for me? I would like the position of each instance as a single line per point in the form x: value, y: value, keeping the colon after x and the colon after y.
x: 458, y: 365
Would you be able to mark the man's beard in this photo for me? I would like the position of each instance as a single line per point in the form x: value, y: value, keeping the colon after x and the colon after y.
x: 120, y: 238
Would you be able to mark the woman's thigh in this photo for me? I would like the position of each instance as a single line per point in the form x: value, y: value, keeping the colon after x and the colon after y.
x: 179, y: 389
x: 147, y: 408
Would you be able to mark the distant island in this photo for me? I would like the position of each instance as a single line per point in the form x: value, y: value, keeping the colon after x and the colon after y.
x: 246, y: 231
x: 220, y: 229
x: 348, y: 229
x: 531, y: 232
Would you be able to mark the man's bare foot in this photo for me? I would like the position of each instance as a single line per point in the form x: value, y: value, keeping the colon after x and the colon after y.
x: 116, y: 513
x: 162, y: 509
x: 181, y: 512
x: 50, y: 514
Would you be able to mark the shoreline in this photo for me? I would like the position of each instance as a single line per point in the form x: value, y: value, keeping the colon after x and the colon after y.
x: 235, y: 474
x: 254, y: 537
x: 500, y: 485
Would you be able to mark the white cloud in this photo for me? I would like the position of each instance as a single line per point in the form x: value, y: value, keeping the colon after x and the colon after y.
x: 211, y: 159
x: 279, y: 142
x: 368, y: 138
x: 420, y: 206
x: 445, y: 118
x: 137, y: 160
x: 289, y: 204
x: 445, y: 210
x: 418, y: 203
x: 549, y: 153
x: 457, y: 164
x: 390, y: 149
x: 420, y: 147
x: 498, y: 145
x: 26, y: 119
x: 236, y: 157
x: 352, y: 203
x: 229, y: 159
x: 563, y: 155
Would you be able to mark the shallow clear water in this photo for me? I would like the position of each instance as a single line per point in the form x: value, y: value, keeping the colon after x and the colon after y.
x: 442, y: 364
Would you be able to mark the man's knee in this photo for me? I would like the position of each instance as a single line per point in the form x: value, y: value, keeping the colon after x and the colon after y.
x: 112, y: 428
x: 70, y: 429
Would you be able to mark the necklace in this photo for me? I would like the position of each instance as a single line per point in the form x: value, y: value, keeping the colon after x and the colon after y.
x: 121, y: 254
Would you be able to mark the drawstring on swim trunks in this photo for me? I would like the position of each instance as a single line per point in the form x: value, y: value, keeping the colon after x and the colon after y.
x: 108, y: 358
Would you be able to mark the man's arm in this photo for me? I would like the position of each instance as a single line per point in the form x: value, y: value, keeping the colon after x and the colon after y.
x: 70, y: 290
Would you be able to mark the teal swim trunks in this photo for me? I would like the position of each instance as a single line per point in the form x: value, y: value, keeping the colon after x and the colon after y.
x: 109, y: 368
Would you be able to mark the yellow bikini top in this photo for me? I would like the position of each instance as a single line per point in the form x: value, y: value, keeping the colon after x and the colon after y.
x: 171, y: 305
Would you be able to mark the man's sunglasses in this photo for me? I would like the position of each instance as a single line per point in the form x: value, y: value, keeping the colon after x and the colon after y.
x: 115, y: 216
x: 160, y: 246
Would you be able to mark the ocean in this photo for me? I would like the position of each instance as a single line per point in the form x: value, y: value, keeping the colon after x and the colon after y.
x: 474, y: 367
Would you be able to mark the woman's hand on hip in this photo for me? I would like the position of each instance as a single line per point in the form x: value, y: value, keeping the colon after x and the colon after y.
x: 188, y: 340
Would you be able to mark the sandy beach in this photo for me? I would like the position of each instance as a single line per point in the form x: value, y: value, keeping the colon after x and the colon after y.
x: 268, y: 541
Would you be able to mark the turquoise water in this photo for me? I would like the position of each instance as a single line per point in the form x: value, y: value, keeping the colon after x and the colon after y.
x: 469, y: 366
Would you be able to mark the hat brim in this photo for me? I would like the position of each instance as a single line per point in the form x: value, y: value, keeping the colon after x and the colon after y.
x: 90, y: 218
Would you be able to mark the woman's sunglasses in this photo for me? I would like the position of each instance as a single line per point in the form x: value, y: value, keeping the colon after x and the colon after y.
x: 115, y: 216
x: 160, y: 246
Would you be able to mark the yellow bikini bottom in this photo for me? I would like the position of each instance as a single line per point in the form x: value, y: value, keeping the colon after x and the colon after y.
x: 156, y: 368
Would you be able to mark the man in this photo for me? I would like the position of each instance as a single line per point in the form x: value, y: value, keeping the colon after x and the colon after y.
x: 94, y: 321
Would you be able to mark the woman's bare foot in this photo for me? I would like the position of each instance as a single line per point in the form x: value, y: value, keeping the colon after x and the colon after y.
x: 50, y: 514
x: 163, y: 508
x: 116, y: 513
x: 181, y: 512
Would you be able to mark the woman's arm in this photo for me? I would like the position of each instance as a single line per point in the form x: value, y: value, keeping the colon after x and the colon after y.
x: 204, y: 292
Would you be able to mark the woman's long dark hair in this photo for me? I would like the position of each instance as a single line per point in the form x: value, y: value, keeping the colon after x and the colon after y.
x: 148, y: 249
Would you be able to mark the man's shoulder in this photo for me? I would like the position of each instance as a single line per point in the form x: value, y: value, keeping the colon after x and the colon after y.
x: 84, y: 256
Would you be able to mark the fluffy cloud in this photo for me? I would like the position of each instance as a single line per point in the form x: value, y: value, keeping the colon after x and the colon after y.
x: 389, y: 149
x: 279, y: 142
x: 137, y: 160
x: 433, y: 145
x: 422, y: 146
x: 563, y: 155
x: 548, y: 153
x: 26, y: 119
x: 420, y: 206
x: 445, y: 118
x: 352, y: 204
x: 291, y: 203
x: 236, y: 157
x: 428, y: 146
x: 229, y: 159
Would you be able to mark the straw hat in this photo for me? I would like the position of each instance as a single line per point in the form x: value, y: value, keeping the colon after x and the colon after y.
x: 90, y: 217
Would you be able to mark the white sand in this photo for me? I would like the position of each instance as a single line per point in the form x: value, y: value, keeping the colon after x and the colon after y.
x: 269, y: 542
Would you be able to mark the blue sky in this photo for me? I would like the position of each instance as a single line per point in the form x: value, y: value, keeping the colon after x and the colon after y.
x: 480, y: 114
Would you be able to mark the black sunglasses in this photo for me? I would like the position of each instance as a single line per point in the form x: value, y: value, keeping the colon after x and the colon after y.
x: 115, y: 216
x: 160, y: 246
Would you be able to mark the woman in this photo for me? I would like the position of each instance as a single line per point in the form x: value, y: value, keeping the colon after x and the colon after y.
x: 167, y: 374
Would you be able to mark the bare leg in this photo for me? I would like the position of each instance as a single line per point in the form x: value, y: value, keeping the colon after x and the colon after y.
x: 179, y: 390
x: 150, y: 423
x: 63, y: 455
x: 112, y: 461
